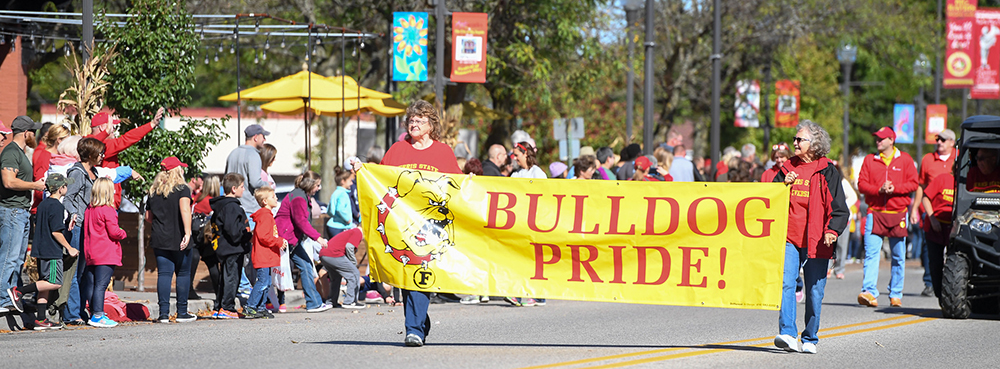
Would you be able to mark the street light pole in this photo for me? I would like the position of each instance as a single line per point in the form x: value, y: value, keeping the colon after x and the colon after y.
x: 921, y: 69
x: 716, y: 76
x: 647, y: 100
x: 631, y: 11
x: 847, y: 54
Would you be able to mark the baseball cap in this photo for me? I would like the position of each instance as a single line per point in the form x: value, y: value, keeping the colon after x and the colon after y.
x: 885, y: 132
x: 642, y: 163
x: 255, y: 129
x: 24, y: 123
x: 171, y: 163
x: 557, y: 168
x: 102, y: 118
x: 947, y: 134
x: 56, y: 180
x: 4, y: 129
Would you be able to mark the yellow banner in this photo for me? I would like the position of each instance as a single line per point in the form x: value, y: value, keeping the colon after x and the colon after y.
x: 693, y: 244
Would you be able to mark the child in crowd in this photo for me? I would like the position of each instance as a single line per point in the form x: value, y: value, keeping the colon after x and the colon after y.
x: 231, y: 237
x: 338, y: 259
x: 104, y: 250
x: 50, y: 240
x: 266, y: 247
x: 339, y: 208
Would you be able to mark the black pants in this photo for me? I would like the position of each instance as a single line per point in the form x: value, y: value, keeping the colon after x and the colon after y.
x: 230, y: 267
x: 212, y: 262
x: 935, y: 261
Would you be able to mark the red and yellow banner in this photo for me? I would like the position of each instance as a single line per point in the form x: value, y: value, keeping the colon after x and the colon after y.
x: 960, y: 49
x: 937, y: 121
x: 693, y: 244
x: 986, y: 61
x: 786, y: 106
x: 468, y: 47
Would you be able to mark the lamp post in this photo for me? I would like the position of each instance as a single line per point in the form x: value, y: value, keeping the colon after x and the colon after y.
x: 631, y: 13
x: 647, y: 99
x: 921, y: 70
x: 847, y: 54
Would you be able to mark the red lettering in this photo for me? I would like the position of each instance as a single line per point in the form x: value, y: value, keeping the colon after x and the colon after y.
x: 540, y: 261
x: 495, y: 208
x: 693, y: 216
x: 616, y: 204
x: 533, y: 212
x: 651, y: 215
x: 618, y: 264
x: 578, y: 263
x: 664, y: 265
x: 741, y: 219
x: 687, y: 265
x: 578, y: 217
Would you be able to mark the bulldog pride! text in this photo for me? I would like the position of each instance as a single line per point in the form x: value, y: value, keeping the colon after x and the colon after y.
x: 695, y: 244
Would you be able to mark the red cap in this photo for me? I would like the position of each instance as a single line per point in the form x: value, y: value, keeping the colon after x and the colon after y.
x: 4, y: 129
x: 102, y: 118
x: 642, y: 163
x: 171, y: 163
x: 885, y: 132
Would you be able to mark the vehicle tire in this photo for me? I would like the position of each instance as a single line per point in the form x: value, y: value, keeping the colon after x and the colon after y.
x: 954, y: 283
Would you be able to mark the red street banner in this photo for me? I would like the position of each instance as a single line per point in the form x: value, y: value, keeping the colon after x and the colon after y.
x: 468, y: 47
x: 937, y: 121
x: 986, y: 62
x: 958, y: 59
x: 786, y: 109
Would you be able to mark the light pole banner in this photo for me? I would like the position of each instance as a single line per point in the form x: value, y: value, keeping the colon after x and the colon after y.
x: 960, y: 44
x: 468, y: 47
x: 986, y: 62
x: 937, y: 121
x: 691, y: 244
x: 409, y: 46
x: 902, y: 123
x: 747, y: 104
x: 786, y: 109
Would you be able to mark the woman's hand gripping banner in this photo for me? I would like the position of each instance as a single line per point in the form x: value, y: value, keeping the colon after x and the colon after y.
x: 691, y: 244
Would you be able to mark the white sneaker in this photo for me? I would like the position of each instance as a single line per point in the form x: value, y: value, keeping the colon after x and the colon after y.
x: 320, y: 309
x: 809, y: 348
x: 484, y: 299
x: 470, y: 300
x: 786, y: 342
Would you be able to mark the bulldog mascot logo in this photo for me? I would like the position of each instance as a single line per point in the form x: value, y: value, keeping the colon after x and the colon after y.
x: 419, y: 231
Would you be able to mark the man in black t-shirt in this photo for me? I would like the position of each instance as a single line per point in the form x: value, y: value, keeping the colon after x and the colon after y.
x: 15, y: 200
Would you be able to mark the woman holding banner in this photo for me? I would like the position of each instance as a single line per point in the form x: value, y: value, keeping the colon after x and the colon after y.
x: 420, y: 150
x: 817, y: 214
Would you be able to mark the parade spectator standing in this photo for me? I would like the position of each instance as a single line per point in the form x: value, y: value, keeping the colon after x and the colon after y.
x: 293, y: 225
x: 43, y: 154
x: 104, y: 128
x: 606, y: 161
x: 267, y: 154
x: 245, y: 160
x: 628, y: 154
x: 642, y: 168
x: 15, y: 202
x: 169, y: 210
x: 104, y: 250
x: 681, y: 169
x: 84, y: 173
x: 585, y: 167
x: 887, y: 178
x: 473, y: 166
x: 496, y: 159
x: 339, y: 208
x: 524, y: 154
x: 266, y: 248
x: 938, y: 200
x: 817, y: 213
x: 50, y: 241
x: 558, y: 169
x: 933, y: 164
x: 420, y: 148
x: 230, y: 234
x: 779, y: 155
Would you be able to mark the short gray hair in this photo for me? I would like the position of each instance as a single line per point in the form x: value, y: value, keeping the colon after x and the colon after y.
x: 820, y: 144
x: 748, y: 150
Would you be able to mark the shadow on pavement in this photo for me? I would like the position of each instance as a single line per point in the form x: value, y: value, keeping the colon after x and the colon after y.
x: 554, y: 345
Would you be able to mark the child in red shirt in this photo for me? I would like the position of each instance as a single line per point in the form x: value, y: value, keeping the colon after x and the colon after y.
x: 265, y: 255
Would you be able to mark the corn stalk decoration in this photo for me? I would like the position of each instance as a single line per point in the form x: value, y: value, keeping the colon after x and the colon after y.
x: 85, y: 97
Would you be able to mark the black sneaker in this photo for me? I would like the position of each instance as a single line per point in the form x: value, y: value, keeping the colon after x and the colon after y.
x: 265, y: 314
x: 249, y: 313
x: 413, y: 340
x: 927, y: 292
x: 354, y: 305
x: 15, y: 298
x: 186, y: 317
x: 163, y: 319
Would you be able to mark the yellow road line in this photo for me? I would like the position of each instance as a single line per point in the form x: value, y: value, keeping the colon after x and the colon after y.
x: 664, y: 350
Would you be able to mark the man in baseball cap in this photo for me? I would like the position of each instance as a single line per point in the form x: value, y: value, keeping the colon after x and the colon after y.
x: 15, y: 200
x: 933, y: 164
x: 255, y: 129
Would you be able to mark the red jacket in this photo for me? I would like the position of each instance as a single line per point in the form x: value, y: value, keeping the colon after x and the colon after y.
x: 39, y: 166
x: 901, y: 171
x: 113, y: 146
x: 266, y: 243
x: 826, y: 210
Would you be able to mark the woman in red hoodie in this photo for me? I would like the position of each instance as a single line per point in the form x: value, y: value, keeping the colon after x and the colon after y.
x: 817, y: 214
x: 266, y: 246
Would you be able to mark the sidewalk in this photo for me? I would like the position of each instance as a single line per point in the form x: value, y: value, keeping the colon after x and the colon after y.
x: 293, y: 299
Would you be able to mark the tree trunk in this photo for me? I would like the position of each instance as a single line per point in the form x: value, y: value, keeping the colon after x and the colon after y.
x: 141, y: 270
x: 328, y: 159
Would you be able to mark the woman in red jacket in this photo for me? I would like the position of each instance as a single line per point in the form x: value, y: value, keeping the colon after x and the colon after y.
x: 817, y: 213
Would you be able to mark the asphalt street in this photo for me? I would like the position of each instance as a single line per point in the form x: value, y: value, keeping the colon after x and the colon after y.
x: 563, y: 334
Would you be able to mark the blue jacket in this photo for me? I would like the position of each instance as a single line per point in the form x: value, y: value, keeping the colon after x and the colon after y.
x: 339, y: 209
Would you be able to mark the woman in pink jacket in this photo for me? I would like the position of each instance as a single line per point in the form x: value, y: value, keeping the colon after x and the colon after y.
x: 103, y: 251
x: 294, y: 226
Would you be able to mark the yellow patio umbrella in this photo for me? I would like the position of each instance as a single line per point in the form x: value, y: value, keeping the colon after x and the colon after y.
x: 386, y: 107
x: 296, y: 86
x: 349, y: 83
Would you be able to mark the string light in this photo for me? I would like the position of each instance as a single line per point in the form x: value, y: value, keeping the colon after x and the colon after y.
x: 255, y: 60
x: 263, y: 54
x: 216, y: 56
x: 220, y: 47
x: 267, y: 43
x: 67, y: 46
x: 232, y: 48
x: 203, y: 33
x: 13, y: 44
x: 53, y: 44
x: 256, y: 26
x: 206, y: 59
x: 282, y: 42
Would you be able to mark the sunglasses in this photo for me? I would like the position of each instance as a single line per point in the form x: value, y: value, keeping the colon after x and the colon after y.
x: 800, y: 139
x: 941, y: 139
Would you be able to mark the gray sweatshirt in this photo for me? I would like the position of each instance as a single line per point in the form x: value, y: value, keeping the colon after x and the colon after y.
x: 78, y: 193
x: 245, y: 160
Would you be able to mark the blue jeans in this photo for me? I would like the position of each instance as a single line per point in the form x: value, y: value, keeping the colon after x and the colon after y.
x: 97, y: 277
x: 13, y: 248
x: 259, y: 292
x: 169, y: 263
x: 75, y: 308
x: 244, y: 280
x: 415, y: 304
x: 873, y: 254
x: 306, y: 274
x: 814, y: 276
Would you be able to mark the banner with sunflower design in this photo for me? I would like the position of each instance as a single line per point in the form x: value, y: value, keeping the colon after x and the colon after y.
x: 409, y: 41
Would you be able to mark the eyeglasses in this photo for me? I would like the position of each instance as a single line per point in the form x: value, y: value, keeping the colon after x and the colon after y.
x: 800, y: 139
x: 419, y: 121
